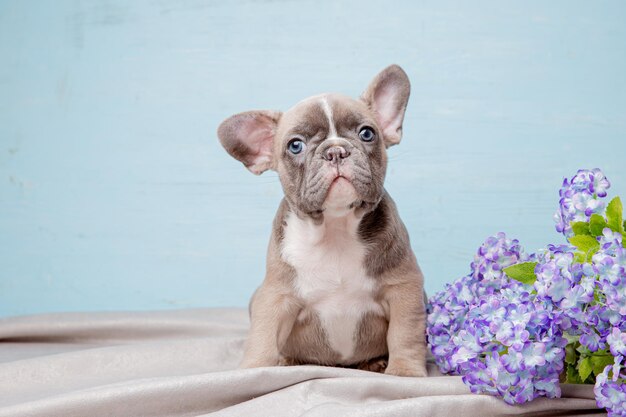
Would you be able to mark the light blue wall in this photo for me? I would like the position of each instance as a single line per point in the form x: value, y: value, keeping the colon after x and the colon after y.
x: 114, y: 193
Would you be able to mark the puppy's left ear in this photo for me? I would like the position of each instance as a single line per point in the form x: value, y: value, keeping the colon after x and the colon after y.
x: 387, y: 95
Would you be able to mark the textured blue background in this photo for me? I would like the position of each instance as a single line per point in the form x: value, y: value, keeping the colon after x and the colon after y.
x: 114, y: 192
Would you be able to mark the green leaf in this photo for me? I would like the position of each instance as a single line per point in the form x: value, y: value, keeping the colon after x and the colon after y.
x: 584, y: 243
x: 599, y: 362
x: 571, y: 375
x: 581, y: 228
x: 596, y: 224
x: 614, y: 215
x: 584, y: 368
x: 570, y: 354
x: 591, y: 253
x: 523, y: 272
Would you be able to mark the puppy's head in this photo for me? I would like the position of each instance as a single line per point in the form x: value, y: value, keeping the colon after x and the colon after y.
x: 329, y: 150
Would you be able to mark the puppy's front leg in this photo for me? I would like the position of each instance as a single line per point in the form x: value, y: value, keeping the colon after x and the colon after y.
x: 406, y: 335
x: 272, y: 314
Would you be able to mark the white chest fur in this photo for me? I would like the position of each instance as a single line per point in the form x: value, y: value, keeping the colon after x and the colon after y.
x: 331, y: 278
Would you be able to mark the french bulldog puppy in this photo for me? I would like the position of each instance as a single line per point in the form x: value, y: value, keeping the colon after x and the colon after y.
x: 342, y: 285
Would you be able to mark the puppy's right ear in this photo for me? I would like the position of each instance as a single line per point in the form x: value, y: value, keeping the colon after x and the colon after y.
x: 249, y: 137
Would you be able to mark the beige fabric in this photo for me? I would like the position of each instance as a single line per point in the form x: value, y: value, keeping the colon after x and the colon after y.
x: 183, y: 363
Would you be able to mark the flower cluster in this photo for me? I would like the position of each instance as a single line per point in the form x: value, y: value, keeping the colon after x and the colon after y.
x: 487, y: 328
x: 580, y: 198
x: 610, y: 391
x: 449, y: 308
x: 517, y: 350
x: 519, y: 323
x: 609, y: 319
x: 610, y: 265
x: 569, y: 286
x: 495, y: 254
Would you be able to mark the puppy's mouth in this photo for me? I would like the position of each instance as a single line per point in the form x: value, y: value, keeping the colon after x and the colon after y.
x: 341, y: 193
x: 341, y: 184
x: 339, y: 178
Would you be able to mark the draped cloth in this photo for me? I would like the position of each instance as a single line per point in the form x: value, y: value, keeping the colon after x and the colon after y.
x: 184, y: 363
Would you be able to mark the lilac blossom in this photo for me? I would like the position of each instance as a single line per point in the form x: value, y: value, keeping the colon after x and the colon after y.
x: 495, y: 254
x: 580, y: 197
x: 611, y: 393
x: 569, y: 286
x: 610, y: 387
x: 448, y: 308
x: 487, y: 328
x: 508, y: 339
x: 521, y: 356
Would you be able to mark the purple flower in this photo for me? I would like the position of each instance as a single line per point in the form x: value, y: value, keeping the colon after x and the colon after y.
x: 617, y: 342
x: 592, y: 340
x: 611, y: 242
x: 449, y: 308
x: 610, y: 265
x: 610, y: 392
x: 495, y: 254
x: 565, y: 284
x: 580, y: 198
x: 508, y: 339
x: 592, y: 181
x: 506, y: 343
x: 534, y: 354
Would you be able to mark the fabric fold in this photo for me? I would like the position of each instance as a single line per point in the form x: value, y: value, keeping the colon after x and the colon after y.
x: 183, y: 363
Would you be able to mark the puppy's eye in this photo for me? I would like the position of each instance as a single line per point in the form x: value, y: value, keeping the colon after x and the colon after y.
x: 366, y: 134
x: 296, y: 146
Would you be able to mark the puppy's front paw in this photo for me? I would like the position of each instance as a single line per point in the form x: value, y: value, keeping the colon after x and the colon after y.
x: 373, y: 365
x: 407, y: 368
x: 288, y: 362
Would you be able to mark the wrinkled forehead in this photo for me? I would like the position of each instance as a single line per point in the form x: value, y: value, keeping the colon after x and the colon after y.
x: 324, y: 115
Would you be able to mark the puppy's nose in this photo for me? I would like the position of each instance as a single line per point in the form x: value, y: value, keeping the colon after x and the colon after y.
x: 336, y: 154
